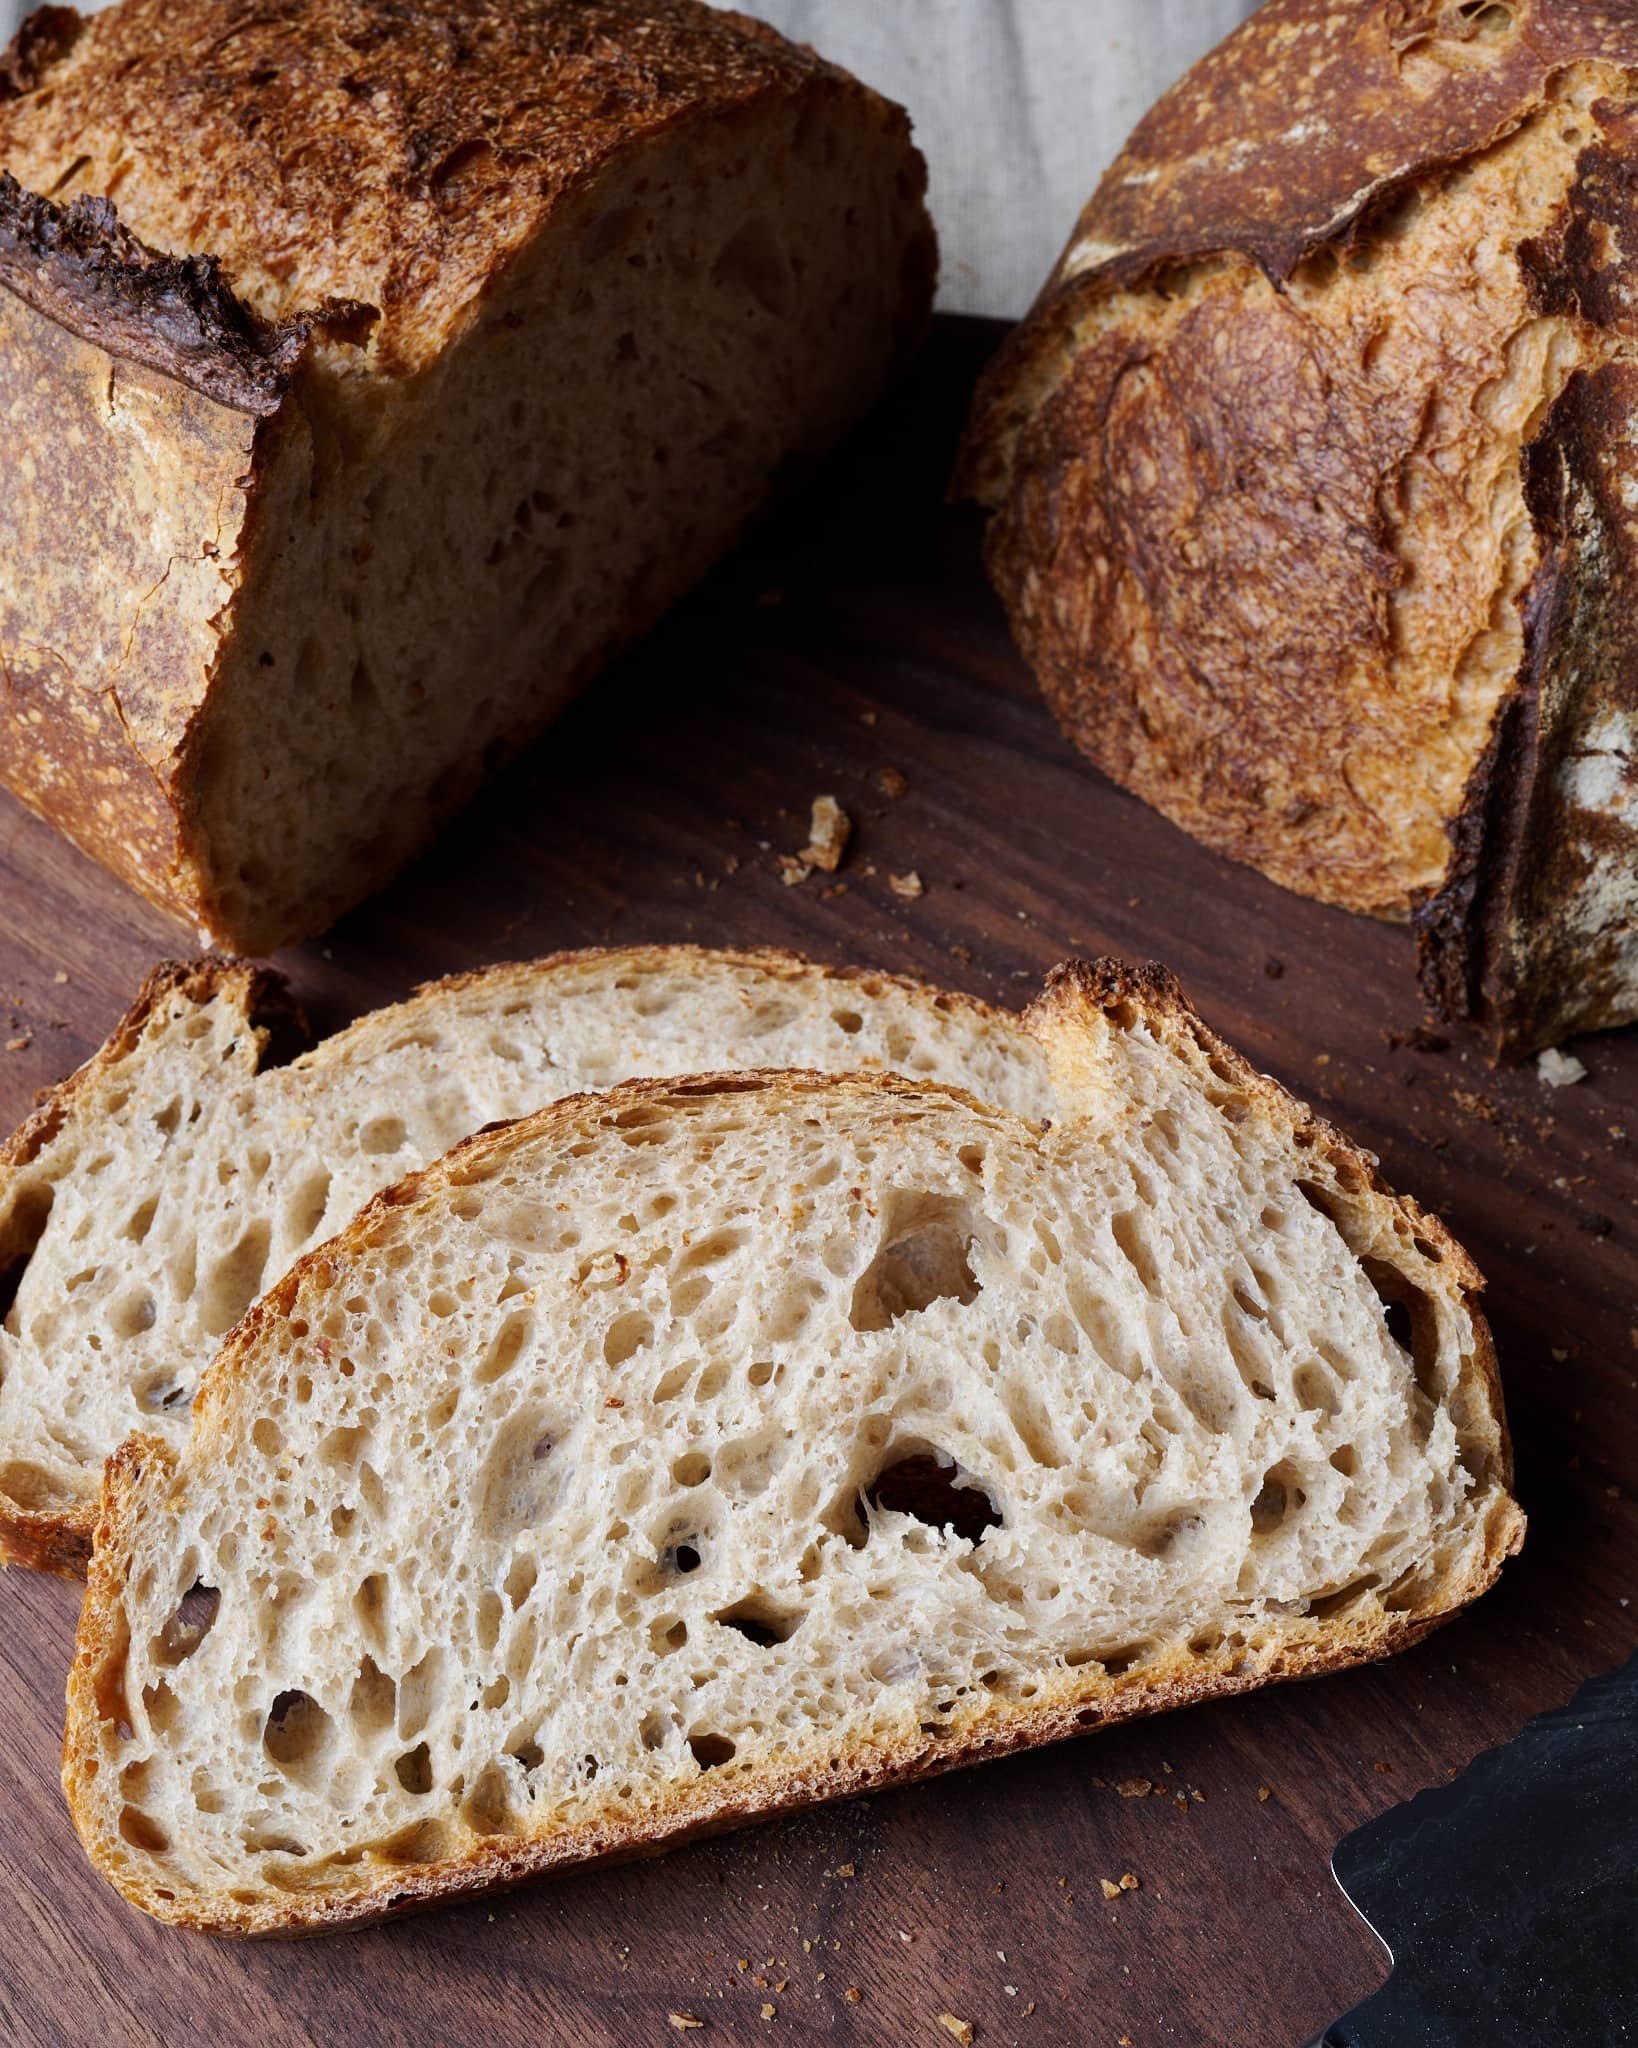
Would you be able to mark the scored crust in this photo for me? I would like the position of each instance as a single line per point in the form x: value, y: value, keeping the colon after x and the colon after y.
x: 144, y: 1472
x: 1311, y: 485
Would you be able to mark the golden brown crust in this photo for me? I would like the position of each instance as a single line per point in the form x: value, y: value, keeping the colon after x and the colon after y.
x: 1203, y: 494
x: 233, y: 306
x: 59, y: 1539
x: 454, y: 127
x: 1081, y: 1698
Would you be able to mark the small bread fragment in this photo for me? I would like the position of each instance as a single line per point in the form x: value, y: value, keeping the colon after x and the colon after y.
x: 716, y: 1446
x: 153, y: 1196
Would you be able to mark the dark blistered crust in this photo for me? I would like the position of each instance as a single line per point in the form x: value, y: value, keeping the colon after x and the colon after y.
x: 82, y: 268
x: 1281, y: 141
x: 1127, y: 997
x: 1511, y: 941
x: 59, y: 1539
x: 1289, y: 128
x: 42, y: 39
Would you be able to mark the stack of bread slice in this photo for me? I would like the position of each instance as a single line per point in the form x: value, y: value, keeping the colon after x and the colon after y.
x: 691, y: 1385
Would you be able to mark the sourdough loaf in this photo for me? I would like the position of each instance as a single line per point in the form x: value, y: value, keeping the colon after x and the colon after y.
x: 1313, y: 484
x: 369, y: 374
x: 716, y: 1446
x: 156, y: 1193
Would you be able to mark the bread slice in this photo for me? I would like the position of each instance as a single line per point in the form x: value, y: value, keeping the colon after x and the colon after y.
x: 716, y: 1446
x: 432, y: 352
x: 157, y: 1192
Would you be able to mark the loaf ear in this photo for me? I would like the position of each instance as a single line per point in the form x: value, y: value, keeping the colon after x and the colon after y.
x: 1110, y: 1027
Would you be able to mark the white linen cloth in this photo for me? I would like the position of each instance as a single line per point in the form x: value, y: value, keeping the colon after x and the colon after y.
x: 1018, y: 106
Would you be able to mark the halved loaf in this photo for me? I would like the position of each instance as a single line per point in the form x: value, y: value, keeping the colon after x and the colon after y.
x: 432, y: 352
x: 717, y: 1446
x: 156, y: 1192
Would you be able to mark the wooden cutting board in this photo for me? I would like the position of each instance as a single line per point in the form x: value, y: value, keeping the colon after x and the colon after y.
x: 854, y: 637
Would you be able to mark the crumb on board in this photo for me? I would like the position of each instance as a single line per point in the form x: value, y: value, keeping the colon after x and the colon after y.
x: 829, y: 829
x: 1264, y: 1794
x: 892, y: 782
x: 1557, y: 1069
x: 1109, y: 1888
x: 910, y: 884
x: 684, y: 2022
x: 792, y: 871
x: 1129, y: 1881
x: 19, y: 1044
x: 959, y: 2030
x: 769, y: 2011
x: 1135, y: 1788
x: 853, y: 1994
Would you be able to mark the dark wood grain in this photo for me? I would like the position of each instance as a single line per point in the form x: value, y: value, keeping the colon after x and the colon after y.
x: 857, y: 634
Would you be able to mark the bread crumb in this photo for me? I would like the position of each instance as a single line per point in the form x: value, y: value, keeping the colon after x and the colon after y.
x: 906, y: 885
x: 892, y: 782
x: 844, y: 1869
x: 744, y: 1963
x: 868, y: 717
x: 1111, y: 1890
x: 1135, y: 1788
x: 829, y: 829
x: 853, y: 1994
x: 684, y: 2022
x: 960, y: 2030
x: 965, y: 953
x: 792, y: 870
x: 1128, y: 1881
x: 769, y: 2011
x: 18, y: 1044
x: 1264, y: 1793
x: 1557, y: 1069
x: 61, y: 978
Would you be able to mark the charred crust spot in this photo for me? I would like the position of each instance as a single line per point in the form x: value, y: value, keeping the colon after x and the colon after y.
x: 82, y: 267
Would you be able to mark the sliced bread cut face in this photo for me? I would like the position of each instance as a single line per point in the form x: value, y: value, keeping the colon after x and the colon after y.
x: 545, y: 298
x: 158, y: 1191
x: 722, y: 1445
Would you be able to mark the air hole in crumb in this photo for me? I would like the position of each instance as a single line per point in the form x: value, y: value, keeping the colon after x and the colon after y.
x: 693, y: 1468
x: 414, y: 1769
x: 652, y: 1730
x: 710, y: 1750
x: 504, y: 1350
x: 1411, y: 1321
x: 626, y: 1336
x: 234, y: 1282
x: 188, y: 1624
x: 1279, y: 1496
x: 759, y: 1621
x: 928, y: 1485
x: 142, y: 1832
x: 847, y: 1020
x: 923, y: 1256
x: 297, y: 1734
x: 134, y: 1313
x: 29, y: 1213
x: 381, y: 1135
